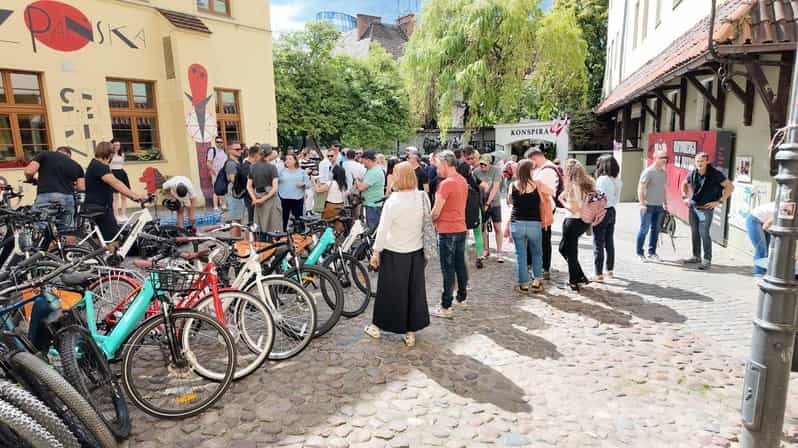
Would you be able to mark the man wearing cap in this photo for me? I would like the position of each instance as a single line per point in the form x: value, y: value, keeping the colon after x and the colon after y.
x: 216, y: 159
x: 490, y: 179
x: 354, y: 169
x: 183, y: 192
x: 57, y: 177
x: 372, y: 188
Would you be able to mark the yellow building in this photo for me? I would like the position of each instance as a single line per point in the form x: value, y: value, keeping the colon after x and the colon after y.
x: 165, y: 77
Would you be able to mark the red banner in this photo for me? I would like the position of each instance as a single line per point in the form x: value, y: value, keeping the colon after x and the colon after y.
x: 682, y: 146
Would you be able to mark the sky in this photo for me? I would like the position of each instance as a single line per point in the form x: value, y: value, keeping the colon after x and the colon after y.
x: 291, y: 15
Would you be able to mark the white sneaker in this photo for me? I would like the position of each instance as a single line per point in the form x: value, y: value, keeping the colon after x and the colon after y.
x: 654, y: 257
x: 642, y: 259
x: 609, y: 275
x: 599, y: 278
x: 445, y: 313
x: 463, y: 304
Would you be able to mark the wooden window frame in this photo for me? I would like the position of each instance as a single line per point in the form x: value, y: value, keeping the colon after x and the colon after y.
x: 133, y: 114
x: 13, y: 110
x: 212, y: 8
x: 222, y: 117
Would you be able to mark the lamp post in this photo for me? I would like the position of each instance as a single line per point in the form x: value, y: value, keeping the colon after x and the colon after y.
x: 767, y: 373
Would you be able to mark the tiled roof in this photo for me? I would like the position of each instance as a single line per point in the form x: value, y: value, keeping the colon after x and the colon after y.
x: 738, y: 22
x: 389, y: 36
x: 185, y: 21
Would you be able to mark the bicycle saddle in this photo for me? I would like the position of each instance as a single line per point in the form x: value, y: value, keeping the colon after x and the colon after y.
x: 91, y: 214
x: 79, y: 279
x: 277, y: 235
x: 309, y: 218
x: 229, y: 239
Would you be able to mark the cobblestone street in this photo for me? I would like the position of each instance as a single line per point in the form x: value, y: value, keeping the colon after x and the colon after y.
x: 653, y: 358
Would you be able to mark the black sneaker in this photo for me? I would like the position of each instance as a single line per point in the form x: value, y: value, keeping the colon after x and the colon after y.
x: 479, y: 263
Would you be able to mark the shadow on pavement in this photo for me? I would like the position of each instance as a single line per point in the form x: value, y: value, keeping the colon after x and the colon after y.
x: 635, y: 305
x: 602, y: 314
x: 512, y: 333
x: 664, y: 292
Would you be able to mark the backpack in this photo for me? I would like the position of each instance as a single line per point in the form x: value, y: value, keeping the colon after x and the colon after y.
x: 221, y: 183
x: 240, y: 181
x: 594, y: 208
x: 560, y: 185
x: 473, y: 207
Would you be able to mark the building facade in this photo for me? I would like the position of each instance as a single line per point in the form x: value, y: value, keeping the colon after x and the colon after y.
x: 165, y: 77
x: 666, y: 87
x: 342, y: 21
x: 390, y: 36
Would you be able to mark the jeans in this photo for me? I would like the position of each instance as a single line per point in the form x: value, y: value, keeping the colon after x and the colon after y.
x: 373, y: 217
x: 760, y: 239
x: 291, y: 207
x: 572, y: 229
x: 451, y: 247
x: 650, y: 223
x: 604, y: 240
x: 66, y: 220
x: 527, y: 232
x: 700, y: 222
x: 546, y: 243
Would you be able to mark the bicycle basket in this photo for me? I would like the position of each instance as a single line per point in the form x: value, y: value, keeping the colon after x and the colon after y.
x: 168, y: 280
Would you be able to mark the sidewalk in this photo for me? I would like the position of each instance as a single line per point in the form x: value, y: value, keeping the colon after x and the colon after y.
x: 652, y: 359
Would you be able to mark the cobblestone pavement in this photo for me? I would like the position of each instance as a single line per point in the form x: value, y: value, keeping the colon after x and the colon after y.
x: 652, y: 358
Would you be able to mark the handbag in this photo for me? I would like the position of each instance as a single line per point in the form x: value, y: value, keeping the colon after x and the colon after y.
x: 428, y: 230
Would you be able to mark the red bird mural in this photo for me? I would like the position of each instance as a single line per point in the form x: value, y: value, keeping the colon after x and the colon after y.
x: 198, y: 82
x: 152, y: 179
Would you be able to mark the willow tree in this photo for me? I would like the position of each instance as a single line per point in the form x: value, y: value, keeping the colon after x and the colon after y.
x: 558, y: 80
x: 471, y: 53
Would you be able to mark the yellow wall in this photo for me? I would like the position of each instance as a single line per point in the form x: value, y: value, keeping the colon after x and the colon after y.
x: 237, y: 56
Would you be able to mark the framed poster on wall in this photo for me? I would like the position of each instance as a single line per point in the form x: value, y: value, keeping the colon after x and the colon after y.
x: 682, y: 146
x: 742, y: 169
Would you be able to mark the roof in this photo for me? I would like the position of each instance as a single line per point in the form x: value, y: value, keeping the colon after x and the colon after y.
x: 389, y: 36
x: 185, y: 21
x: 738, y: 23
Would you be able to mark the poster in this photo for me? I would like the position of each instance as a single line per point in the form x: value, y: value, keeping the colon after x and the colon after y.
x: 682, y: 146
x: 745, y: 198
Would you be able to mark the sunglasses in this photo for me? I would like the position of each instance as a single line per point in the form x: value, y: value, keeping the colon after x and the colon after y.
x: 331, y: 156
x: 664, y: 158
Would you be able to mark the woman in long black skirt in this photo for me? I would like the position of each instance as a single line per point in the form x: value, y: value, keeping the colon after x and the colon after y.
x: 401, y: 303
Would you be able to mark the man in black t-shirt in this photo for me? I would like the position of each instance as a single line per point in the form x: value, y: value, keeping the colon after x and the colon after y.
x: 710, y: 189
x: 57, y: 177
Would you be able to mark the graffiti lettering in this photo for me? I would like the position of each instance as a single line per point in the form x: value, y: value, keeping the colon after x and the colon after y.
x: 78, y: 133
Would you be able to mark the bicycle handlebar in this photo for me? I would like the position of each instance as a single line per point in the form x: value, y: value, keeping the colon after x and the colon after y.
x: 22, y: 266
x: 46, y: 278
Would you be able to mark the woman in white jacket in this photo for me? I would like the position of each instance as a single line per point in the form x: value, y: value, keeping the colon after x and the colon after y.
x: 401, y: 302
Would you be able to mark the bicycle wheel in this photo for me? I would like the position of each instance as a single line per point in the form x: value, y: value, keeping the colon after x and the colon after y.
x: 250, y: 324
x: 109, y: 291
x: 39, y: 412
x: 355, y: 281
x: 293, y: 311
x: 362, y: 254
x: 167, y: 387
x: 85, y: 366
x: 327, y: 293
x: 24, y: 431
x: 61, y: 397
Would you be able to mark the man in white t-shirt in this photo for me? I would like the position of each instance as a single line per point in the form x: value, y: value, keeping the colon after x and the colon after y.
x: 185, y: 195
x: 354, y: 169
x: 548, y: 173
x: 216, y: 159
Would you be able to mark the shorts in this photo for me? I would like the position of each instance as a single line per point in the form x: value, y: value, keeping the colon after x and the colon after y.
x: 236, y: 210
x: 494, y: 214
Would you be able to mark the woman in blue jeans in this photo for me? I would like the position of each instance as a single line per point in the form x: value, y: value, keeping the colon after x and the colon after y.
x: 757, y: 224
x: 531, y: 203
x: 607, y: 170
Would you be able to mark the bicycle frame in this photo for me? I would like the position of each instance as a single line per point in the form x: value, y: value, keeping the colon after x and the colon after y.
x: 141, y: 218
x: 327, y: 239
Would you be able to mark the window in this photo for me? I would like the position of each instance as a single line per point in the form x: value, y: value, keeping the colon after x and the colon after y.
x: 134, y: 116
x: 23, y: 118
x: 637, y: 25
x: 216, y: 6
x: 644, y: 30
x: 228, y: 116
x: 658, y: 13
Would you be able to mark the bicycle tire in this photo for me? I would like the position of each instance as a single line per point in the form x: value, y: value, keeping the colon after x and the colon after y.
x: 60, y: 396
x: 332, y: 300
x: 292, y: 335
x: 354, y: 278
x: 363, y: 253
x: 79, y: 354
x: 39, y: 412
x: 247, y: 344
x: 149, y: 328
x: 28, y: 432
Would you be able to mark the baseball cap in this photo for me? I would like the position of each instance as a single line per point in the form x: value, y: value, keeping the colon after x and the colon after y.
x: 369, y: 154
x: 351, y: 154
x: 266, y: 148
x: 486, y: 159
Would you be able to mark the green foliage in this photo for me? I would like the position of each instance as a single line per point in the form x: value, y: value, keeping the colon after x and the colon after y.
x: 146, y: 155
x: 558, y: 81
x: 469, y: 52
x: 360, y: 103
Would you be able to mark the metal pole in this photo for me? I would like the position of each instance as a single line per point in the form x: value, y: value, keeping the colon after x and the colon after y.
x: 767, y: 373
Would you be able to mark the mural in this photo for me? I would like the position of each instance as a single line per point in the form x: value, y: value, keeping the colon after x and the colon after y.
x: 78, y: 109
x: 152, y: 179
x: 201, y: 124
x: 65, y: 28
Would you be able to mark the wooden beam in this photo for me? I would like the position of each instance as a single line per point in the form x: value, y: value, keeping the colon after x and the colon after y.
x: 748, y: 103
x: 736, y: 89
x: 720, y: 111
x: 667, y: 101
x: 658, y: 114
x: 644, y: 105
x: 783, y: 90
x: 703, y: 91
x: 757, y: 76
x: 682, y: 104
x: 643, y: 108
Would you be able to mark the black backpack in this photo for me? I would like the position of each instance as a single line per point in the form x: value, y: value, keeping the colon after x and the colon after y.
x: 221, y: 183
x: 240, y: 182
x: 473, y: 207
x: 560, y: 184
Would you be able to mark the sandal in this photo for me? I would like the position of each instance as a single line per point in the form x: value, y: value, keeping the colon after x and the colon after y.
x: 373, y: 331
x: 410, y: 340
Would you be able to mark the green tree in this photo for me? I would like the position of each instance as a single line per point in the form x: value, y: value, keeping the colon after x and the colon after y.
x: 558, y: 79
x: 473, y: 53
x: 592, y: 18
x: 359, y: 102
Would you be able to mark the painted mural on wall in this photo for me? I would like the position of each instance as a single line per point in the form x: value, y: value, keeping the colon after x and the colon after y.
x: 78, y: 110
x: 201, y: 124
x: 63, y: 27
